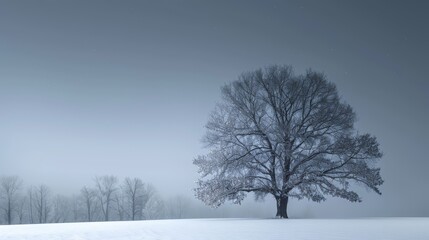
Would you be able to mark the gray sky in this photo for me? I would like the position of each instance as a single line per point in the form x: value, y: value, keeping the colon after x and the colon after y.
x: 125, y: 87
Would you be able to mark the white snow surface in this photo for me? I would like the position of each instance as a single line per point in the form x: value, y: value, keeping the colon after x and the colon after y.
x: 231, y: 229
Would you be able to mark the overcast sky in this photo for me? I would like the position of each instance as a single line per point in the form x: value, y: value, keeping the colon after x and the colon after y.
x: 125, y: 87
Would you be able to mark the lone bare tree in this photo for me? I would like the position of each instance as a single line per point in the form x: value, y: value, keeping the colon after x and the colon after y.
x: 106, y: 187
x: 285, y: 135
x: 9, y: 187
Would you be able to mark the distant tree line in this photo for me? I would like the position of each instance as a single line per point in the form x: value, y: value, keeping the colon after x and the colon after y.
x: 107, y: 199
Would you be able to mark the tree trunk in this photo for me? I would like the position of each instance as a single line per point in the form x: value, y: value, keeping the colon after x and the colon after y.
x: 282, y: 207
x: 88, y: 207
x: 9, y: 212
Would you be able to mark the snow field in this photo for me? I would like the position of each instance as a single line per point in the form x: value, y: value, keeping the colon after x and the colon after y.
x: 230, y: 229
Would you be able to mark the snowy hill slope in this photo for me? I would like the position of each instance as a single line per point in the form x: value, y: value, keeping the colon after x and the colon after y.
x: 231, y: 229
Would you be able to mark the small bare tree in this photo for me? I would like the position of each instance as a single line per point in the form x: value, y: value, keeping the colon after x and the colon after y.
x: 30, y: 205
x: 88, y: 197
x: 10, y: 187
x: 133, y: 190
x: 119, y: 200
x: 61, y: 209
x: 39, y: 201
x: 155, y: 207
x: 76, y: 209
x: 106, y: 187
x: 284, y: 135
x: 149, y: 192
x: 20, y: 209
x: 178, y: 206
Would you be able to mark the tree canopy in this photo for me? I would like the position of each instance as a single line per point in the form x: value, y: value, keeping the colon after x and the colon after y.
x: 286, y: 135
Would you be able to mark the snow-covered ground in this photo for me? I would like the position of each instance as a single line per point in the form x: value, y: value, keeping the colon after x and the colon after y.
x: 230, y: 229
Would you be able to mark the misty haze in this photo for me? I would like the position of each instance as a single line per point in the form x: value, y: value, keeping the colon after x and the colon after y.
x: 214, y: 119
